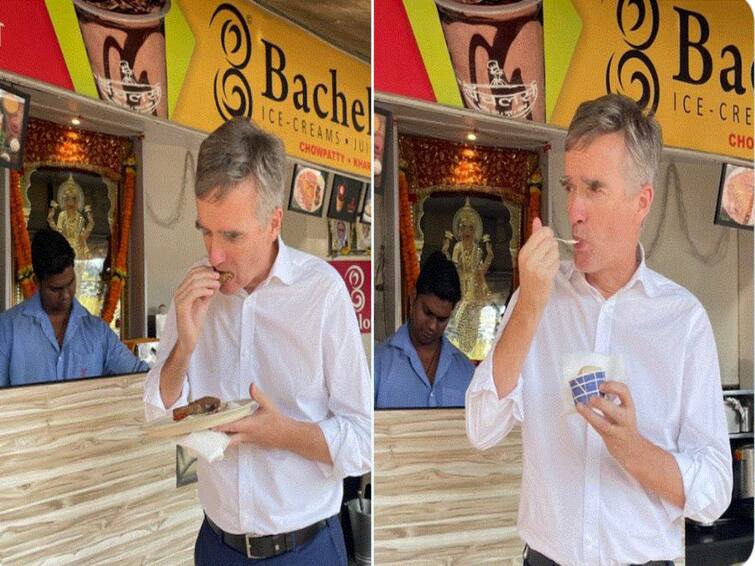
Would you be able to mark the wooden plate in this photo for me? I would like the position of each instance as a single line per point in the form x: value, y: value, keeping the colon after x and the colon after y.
x: 230, y: 411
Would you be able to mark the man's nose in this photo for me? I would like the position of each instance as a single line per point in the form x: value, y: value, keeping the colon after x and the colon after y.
x: 576, y: 209
x: 215, y: 252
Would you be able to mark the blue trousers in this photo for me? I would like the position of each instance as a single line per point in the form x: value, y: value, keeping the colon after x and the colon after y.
x: 327, y: 548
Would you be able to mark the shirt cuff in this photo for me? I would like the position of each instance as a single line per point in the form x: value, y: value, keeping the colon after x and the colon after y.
x: 331, y: 431
x: 153, y: 401
x: 699, y: 490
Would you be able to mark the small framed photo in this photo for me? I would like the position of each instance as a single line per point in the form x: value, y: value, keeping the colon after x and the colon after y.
x: 362, y: 238
x: 365, y: 214
x: 344, y: 198
x: 14, y: 120
x: 735, y: 197
x: 379, y: 152
x: 307, y: 190
x: 339, y: 237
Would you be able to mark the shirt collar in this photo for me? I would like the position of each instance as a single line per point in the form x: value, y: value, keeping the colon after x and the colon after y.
x: 33, y: 307
x: 641, y: 275
x: 403, y: 341
x: 283, y: 268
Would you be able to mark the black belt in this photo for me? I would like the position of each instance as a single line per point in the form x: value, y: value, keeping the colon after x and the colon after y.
x: 534, y: 558
x: 270, y: 545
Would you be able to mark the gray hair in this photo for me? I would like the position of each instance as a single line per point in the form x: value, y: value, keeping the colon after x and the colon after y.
x: 239, y: 151
x: 617, y: 113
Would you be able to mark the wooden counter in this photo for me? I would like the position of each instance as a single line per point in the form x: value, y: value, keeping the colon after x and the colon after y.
x: 81, y: 485
x: 437, y: 499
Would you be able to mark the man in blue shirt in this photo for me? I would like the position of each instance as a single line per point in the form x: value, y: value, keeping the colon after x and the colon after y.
x: 50, y: 336
x: 418, y: 367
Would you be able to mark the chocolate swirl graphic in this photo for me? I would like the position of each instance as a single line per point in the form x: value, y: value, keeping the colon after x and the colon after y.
x: 645, y: 37
x: 232, y: 93
x: 235, y: 94
x: 638, y: 70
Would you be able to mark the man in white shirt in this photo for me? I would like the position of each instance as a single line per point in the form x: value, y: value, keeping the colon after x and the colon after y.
x: 608, y: 488
x: 282, y: 330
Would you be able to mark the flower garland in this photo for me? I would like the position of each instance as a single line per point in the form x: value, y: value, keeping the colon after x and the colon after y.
x: 22, y: 246
x: 409, y: 261
x: 120, y: 259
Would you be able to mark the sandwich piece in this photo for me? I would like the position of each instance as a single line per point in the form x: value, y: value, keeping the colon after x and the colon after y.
x: 203, y: 406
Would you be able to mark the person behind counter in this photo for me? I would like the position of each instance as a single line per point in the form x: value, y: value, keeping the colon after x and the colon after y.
x: 610, y: 487
x: 280, y: 328
x: 418, y: 367
x: 50, y: 336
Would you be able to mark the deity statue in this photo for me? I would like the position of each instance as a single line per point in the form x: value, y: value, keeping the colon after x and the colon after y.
x: 75, y: 223
x: 472, y: 254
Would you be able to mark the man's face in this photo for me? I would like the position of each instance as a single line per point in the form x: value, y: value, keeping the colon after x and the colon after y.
x: 234, y: 238
x: 606, y: 206
x: 57, y: 291
x: 428, y: 318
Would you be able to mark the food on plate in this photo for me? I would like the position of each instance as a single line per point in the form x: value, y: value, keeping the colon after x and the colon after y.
x: 308, y: 191
x: 738, y: 196
x: 202, y: 406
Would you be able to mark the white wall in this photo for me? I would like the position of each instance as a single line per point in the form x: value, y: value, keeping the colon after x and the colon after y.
x: 724, y: 289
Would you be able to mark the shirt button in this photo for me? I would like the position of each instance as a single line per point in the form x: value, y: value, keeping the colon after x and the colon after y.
x: 432, y: 394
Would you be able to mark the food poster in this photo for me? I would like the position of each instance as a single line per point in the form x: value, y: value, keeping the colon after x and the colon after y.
x: 199, y: 63
x: 690, y: 61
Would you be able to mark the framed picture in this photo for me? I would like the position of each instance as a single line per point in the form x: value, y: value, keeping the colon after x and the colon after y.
x: 340, y: 239
x: 362, y: 237
x: 344, y: 198
x: 307, y: 190
x: 735, y: 197
x: 365, y: 215
x: 379, y: 152
x: 14, y: 119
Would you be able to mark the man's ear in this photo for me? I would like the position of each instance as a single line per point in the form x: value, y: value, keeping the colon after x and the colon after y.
x: 276, y: 222
x: 644, y: 200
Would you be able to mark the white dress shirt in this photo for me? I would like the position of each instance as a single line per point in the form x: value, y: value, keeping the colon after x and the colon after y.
x: 296, y: 338
x: 578, y: 506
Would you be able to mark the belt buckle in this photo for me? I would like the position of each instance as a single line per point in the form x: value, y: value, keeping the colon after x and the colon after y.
x: 248, y: 543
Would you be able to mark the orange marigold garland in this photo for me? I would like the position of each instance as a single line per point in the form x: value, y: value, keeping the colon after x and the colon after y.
x: 120, y: 259
x: 21, y: 244
x: 409, y: 261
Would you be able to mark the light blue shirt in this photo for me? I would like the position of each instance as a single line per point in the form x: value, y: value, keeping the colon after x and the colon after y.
x: 401, y: 381
x: 29, y: 351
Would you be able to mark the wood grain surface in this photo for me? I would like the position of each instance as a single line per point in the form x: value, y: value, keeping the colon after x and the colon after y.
x: 437, y: 499
x: 82, y: 485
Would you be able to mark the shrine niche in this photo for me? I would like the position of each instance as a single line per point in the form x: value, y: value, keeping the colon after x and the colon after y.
x: 472, y: 203
x: 81, y: 184
x: 81, y: 206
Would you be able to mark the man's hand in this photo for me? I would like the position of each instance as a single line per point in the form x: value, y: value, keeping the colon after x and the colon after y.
x: 192, y: 299
x: 618, y: 426
x: 538, y: 263
x: 269, y: 428
x: 652, y: 466
x: 263, y: 427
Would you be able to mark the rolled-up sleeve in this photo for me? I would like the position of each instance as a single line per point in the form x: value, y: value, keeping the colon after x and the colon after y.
x: 348, y: 431
x: 703, y: 452
x: 153, y: 401
x: 488, y: 418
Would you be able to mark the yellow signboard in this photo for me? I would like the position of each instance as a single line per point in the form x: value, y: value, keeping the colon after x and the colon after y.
x: 691, y: 61
x: 247, y: 61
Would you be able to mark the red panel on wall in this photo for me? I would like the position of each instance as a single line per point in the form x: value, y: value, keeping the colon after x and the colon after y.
x: 28, y: 45
x: 399, y: 68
